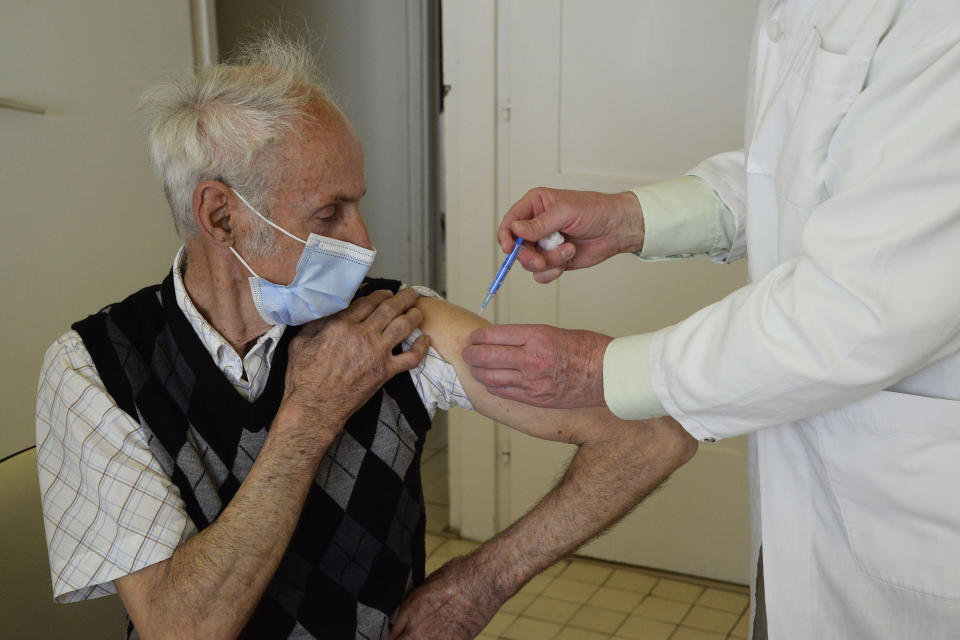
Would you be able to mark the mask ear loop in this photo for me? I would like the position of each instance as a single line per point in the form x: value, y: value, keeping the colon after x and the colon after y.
x: 244, y: 262
x: 265, y: 219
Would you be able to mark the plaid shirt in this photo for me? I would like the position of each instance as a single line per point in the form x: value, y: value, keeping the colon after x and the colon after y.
x: 109, y: 509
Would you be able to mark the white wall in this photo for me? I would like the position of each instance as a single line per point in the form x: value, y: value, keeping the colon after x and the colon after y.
x: 84, y: 220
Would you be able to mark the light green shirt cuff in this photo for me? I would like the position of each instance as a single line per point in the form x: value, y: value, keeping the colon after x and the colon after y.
x: 683, y: 218
x: 626, y: 379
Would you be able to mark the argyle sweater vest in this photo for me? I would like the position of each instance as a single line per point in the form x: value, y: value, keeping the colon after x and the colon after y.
x: 359, y: 545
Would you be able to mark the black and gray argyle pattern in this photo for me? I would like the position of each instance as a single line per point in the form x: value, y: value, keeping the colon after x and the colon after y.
x: 359, y: 545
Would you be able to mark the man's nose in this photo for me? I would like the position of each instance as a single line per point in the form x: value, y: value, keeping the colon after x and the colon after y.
x: 356, y: 231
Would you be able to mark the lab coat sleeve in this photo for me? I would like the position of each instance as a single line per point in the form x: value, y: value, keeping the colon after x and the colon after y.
x: 726, y: 175
x: 872, y: 295
x: 684, y: 218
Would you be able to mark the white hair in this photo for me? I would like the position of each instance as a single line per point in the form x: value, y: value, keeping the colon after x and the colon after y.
x: 225, y: 122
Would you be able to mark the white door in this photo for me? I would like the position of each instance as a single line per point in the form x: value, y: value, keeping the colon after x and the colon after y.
x: 606, y: 96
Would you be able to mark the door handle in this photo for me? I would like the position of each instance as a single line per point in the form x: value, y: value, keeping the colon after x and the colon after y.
x: 19, y: 106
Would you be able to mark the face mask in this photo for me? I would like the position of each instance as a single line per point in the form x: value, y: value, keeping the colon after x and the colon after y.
x: 329, y: 273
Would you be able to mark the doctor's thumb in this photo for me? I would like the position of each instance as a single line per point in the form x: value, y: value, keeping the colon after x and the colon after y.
x: 537, y: 228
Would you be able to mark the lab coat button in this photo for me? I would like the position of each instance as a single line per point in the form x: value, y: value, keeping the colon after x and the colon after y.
x: 709, y: 439
x: 774, y: 30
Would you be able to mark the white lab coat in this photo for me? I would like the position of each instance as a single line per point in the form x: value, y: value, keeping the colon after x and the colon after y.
x: 842, y: 357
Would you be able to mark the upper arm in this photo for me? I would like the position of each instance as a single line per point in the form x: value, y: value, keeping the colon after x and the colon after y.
x: 108, y: 507
x: 449, y: 326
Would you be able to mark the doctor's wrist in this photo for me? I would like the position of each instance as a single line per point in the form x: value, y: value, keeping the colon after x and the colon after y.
x: 630, y: 226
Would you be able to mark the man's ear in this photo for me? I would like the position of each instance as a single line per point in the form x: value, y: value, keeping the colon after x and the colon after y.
x: 213, y: 206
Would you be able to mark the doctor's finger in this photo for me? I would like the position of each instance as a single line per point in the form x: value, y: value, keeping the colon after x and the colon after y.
x: 548, y: 275
x: 498, y: 378
x: 494, y: 356
x: 532, y: 204
x: 505, y: 334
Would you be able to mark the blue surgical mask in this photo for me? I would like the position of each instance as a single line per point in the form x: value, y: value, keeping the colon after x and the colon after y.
x: 328, y: 275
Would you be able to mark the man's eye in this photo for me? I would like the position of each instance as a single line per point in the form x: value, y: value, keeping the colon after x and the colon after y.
x: 327, y: 212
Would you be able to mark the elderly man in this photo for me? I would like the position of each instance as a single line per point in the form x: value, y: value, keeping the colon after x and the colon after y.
x: 235, y: 456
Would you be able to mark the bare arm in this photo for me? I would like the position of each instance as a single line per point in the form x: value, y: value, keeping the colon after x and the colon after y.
x: 449, y: 326
x: 211, y: 585
x: 617, y: 464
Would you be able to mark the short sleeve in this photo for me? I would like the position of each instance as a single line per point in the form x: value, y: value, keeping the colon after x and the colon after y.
x: 108, y: 508
x: 435, y: 379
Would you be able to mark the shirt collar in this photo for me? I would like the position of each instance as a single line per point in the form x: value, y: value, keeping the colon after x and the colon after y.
x: 224, y: 355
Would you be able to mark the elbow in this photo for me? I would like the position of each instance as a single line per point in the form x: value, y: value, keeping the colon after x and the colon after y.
x: 678, y: 445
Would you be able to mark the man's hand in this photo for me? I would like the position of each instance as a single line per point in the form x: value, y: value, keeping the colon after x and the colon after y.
x: 539, y: 365
x: 338, y: 362
x: 604, y: 481
x: 455, y: 603
x: 596, y: 226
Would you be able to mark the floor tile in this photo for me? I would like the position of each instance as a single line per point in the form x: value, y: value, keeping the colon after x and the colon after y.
x: 556, y: 568
x: 631, y: 580
x: 570, y: 590
x: 679, y: 591
x: 499, y: 624
x: 666, y: 610
x: 685, y: 633
x: 587, y: 572
x: 597, y: 619
x: 572, y: 633
x: 724, y: 600
x: 434, y: 562
x: 616, y: 599
x: 530, y: 629
x: 742, y: 627
x: 518, y: 603
x: 432, y: 542
x: 710, y: 620
x: 537, y: 584
x: 553, y: 610
x: 640, y: 628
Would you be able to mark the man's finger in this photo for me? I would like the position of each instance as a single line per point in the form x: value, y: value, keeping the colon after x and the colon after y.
x: 400, y: 622
x: 412, y: 356
x: 392, y: 307
x: 497, y: 378
x: 402, y: 326
x: 505, y: 334
x: 361, y: 308
x: 493, y: 356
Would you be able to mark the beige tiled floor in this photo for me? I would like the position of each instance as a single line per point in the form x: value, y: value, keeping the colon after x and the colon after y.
x: 582, y: 599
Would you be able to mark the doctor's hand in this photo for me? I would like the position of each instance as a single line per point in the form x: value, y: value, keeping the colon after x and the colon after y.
x: 596, y: 226
x: 539, y: 365
x: 455, y: 603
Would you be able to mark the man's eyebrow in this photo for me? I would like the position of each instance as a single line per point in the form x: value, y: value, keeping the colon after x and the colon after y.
x: 340, y: 197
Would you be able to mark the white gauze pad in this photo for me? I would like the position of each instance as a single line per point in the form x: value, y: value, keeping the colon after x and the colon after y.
x: 551, y: 242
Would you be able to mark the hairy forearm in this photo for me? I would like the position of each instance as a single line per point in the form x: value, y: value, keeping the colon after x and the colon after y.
x: 211, y: 585
x: 603, y: 482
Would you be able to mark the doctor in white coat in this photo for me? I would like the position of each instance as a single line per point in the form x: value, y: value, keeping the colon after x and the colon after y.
x: 842, y: 357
